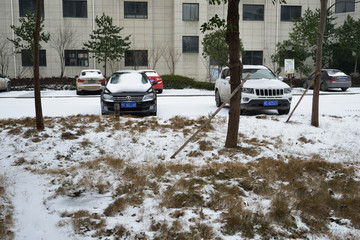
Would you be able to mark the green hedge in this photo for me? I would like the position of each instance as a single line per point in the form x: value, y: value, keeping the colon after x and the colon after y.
x: 181, y: 82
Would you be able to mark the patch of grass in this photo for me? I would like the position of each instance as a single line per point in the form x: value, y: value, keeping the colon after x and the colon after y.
x: 83, y: 222
x: 68, y: 136
x: 116, y: 207
x: 6, y: 211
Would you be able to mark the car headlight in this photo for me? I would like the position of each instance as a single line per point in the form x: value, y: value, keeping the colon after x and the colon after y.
x: 148, y: 97
x: 248, y: 90
x: 287, y: 90
x: 108, y: 97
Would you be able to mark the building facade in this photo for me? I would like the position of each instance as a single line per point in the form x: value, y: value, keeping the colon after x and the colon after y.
x: 165, y: 34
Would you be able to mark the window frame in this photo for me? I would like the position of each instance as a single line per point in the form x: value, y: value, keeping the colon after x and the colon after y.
x: 75, y: 58
x: 135, y: 15
x: 32, y: 7
x: 247, y: 17
x: 78, y: 12
x: 253, y: 58
x: 291, y: 11
x: 27, y: 61
x: 339, y: 3
x: 190, y: 48
x: 190, y: 18
x: 141, y: 58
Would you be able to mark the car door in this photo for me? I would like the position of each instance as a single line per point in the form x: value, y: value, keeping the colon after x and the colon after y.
x: 224, y: 86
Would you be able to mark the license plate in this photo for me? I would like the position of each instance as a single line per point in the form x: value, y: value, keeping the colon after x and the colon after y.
x: 91, y: 81
x: 271, y: 103
x: 128, y: 105
x: 343, y: 79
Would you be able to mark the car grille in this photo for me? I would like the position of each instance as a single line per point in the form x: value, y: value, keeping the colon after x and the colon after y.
x: 269, y: 92
x: 128, y: 98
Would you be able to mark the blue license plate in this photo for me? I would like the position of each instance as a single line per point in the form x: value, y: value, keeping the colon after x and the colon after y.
x: 128, y: 105
x: 271, y: 103
x: 343, y: 79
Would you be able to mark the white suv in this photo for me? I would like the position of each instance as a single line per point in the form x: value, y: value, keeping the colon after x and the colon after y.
x: 263, y: 90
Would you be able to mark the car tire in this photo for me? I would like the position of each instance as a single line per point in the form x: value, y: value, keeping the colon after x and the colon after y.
x: 323, y: 87
x: 160, y: 91
x: 79, y: 92
x: 344, y: 89
x: 305, y: 85
x: 242, y: 112
x: 8, y: 87
x: 283, y: 111
x: 218, y: 99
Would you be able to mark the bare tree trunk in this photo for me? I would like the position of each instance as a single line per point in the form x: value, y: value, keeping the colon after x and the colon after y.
x: 320, y: 36
x: 233, y: 40
x: 38, y: 108
x: 356, y: 62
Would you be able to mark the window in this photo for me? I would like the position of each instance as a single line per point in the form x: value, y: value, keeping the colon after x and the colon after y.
x: 135, y: 10
x: 136, y: 58
x: 76, y: 58
x: 29, y: 5
x: 343, y: 6
x: 27, y: 58
x: 253, y: 12
x: 190, y: 44
x: 190, y: 12
x: 75, y: 8
x: 290, y: 12
x: 253, y: 58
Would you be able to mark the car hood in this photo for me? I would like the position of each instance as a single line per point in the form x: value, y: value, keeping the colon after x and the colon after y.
x: 265, y: 83
x: 126, y: 87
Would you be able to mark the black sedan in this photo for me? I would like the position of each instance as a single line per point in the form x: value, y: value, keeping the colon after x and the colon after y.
x: 129, y: 92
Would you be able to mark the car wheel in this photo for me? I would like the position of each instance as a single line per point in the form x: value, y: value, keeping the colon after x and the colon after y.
x: 160, y: 91
x: 218, y: 99
x: 344, y: 89
x: 323, y: 87
x: 78, y: 92
x: 284, y: 111
x: 8, y: 87
x: 242, y: 111
x: 305, y: 85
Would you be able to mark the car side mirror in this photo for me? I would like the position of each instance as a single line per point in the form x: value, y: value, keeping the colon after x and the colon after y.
x: 227, y: 78
x: 154, y: 83
x: 76, y: 76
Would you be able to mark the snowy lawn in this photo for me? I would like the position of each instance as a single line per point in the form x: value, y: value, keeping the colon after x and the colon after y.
x: 102, y: 177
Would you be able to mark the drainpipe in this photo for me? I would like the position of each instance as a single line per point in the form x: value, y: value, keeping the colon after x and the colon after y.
x: 277, y: 28
x: 93, y: 24
x: 13, y: 36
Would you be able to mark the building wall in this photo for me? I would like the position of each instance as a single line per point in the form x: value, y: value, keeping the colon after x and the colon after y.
x: 163, y: 30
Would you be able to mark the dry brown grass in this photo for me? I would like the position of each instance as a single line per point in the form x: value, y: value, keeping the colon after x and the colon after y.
x: 6, y: 210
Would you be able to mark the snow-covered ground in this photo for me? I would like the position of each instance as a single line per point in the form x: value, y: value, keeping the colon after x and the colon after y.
x: 37, y: 211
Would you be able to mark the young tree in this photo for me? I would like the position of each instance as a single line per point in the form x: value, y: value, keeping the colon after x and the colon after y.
x: 4, y: 56
x: 297, y: 52
x: 36, y: 34
x: 305, y: 32
x: 216, y: 48
x: 319, y: 49
x: 24, y: 34
x: 235, y: 64
x: 62, y: 40
x: 106, y: 42
x: 348, y: 36
x: 171, y: 56
x: 27, y: 38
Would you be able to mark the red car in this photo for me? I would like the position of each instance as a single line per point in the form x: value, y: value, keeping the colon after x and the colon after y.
x: 154, y: 77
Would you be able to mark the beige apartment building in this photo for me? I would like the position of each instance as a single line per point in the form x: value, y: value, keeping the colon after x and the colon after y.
x: 160, y: 30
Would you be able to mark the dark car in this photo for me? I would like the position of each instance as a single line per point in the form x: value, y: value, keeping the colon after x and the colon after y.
x: 331, y: 78
x: 129, y: 92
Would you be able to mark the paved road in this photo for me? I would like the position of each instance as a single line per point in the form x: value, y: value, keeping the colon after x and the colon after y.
x: 190, y: 103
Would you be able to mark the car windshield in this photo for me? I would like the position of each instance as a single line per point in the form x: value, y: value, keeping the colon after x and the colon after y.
x: 128, y: 78
x: 258, y: 74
